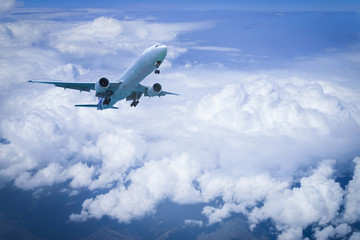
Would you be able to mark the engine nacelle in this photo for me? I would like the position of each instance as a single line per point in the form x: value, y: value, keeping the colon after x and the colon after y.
x: 102, y: 85
x: 154, y: 90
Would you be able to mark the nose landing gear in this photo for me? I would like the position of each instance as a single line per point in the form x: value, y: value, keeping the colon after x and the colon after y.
x: 157, y: 65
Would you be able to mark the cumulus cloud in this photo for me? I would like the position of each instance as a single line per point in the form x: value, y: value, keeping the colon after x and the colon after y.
x: 330, y: 232
x: 47, y: 176
x: 156, y: 180
x: 355, y: 235
x: 140, y: 175
x: 81, y: 175
x: 318, y: 199
x: 270, y: 106
x: 238, y: 194
x: 352, y: 199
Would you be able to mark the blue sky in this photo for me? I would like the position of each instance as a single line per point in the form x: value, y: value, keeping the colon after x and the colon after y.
x: 257, y: 5
x: 262, y: 141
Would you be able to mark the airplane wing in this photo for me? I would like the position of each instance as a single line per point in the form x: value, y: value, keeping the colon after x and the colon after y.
x: 92, y: 106
x: 163, y: 93
x: 141, y: 89
x: 78, y: 86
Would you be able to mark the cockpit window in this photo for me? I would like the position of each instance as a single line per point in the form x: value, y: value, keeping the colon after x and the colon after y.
x: 157, y: 45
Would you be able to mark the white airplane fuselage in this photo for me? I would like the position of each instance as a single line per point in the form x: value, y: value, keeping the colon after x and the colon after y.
x: 150, y: 60
x: 128, y: 86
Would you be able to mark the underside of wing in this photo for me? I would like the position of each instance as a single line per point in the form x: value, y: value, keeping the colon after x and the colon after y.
x: 163, y: 93
x: 92, y: 106
x: 79, y: 86
x: 71, y: 85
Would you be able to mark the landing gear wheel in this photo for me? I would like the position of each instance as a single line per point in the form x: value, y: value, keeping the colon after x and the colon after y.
x: 107, y: 101
x: 134, y: 103
x: 157, y: 71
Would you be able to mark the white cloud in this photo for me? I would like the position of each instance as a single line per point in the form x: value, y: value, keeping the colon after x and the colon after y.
x: 340, y: 231
x: 317, y: 200
x: 108, y: 36
x: 238, y: 194
x: 6, y: 5
x: 155, y: 181
x: 292, y: 233
x: 214, y: 48
x: 219, y: 153
x: 352, y: 198
x: 325, y: 233
x: 230, y: 168
x: 355, y: 236
x: 193, y: 223
x: 47, y: 176
x: 174, y: 52
x: 81, y: 175
x: 268, y: 105
x: 130, y: 152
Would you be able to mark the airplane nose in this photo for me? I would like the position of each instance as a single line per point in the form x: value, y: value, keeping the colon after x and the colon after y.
x: 162, y: 51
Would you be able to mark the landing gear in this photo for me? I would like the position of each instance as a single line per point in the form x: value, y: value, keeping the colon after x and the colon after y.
x: 107, y: 101
x: 134, y: 103
x: 157, y: 65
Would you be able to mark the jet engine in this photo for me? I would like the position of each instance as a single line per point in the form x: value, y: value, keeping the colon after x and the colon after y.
x: 102, y: 85
x: 154, y: 90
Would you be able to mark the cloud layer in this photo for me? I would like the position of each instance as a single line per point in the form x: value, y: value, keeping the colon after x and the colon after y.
x: 6, y: 6
x: 244, y: 138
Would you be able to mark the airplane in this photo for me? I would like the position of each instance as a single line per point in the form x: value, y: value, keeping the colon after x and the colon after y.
x: 128, y: 87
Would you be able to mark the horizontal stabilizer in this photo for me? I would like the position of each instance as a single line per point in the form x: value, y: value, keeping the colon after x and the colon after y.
x: 92, y: 105
x: 87, y: 105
